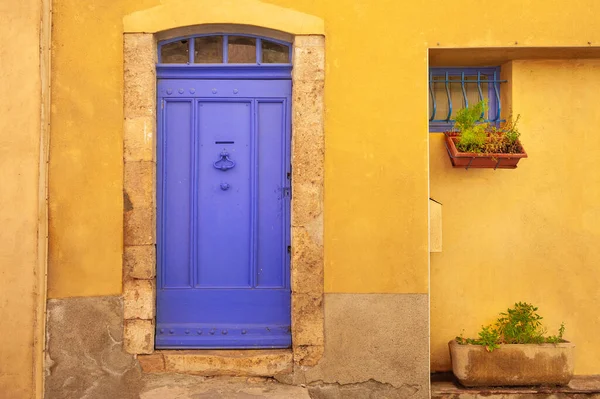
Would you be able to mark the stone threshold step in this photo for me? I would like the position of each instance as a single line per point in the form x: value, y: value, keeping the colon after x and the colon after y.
x: 444, y: 386
x: 249, y: 363
x: 177, y: 386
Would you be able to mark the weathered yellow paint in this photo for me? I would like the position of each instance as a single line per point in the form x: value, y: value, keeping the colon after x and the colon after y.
x: 22, y: 200
x: 86, y: 148
x: 529, y: 234
x: 435, y: 226
x: 377, y: 168
x: 177, y: 13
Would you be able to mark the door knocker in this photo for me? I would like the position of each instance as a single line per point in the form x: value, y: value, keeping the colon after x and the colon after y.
x: 224, y: 163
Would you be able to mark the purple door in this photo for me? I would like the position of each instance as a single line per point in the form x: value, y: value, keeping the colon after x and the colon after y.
x: 223, y: 186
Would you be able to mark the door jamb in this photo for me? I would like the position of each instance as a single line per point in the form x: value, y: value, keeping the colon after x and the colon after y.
x: 307, y: 158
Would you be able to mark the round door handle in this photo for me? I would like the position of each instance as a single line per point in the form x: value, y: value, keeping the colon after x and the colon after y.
x: 224, y: 186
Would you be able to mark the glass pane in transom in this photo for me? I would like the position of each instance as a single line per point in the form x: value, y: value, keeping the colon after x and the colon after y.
x: 274, y: 53
x: 208, y: 50
x: 241, y: 50
x: 175, y: 52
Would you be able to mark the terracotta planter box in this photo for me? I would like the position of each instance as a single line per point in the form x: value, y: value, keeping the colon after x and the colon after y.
x: 474, y: 160
x: 523, y: 364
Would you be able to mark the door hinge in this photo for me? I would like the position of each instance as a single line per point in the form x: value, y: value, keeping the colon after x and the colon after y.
x: 289, y: 249
x: 287, y: 192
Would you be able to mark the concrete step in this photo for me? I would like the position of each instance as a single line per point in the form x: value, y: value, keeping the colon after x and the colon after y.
x: 443, y: 386
x: 180, y: 386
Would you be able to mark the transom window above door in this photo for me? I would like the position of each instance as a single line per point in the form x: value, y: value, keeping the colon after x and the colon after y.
x: 224, y: 49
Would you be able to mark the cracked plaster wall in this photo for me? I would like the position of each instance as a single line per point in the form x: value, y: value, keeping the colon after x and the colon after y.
x: 376, y: 346
x: 85, y: 357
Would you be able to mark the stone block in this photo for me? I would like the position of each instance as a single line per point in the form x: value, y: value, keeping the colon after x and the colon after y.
x: 307, y: 199
x: 309, y: 41
x: 139, y: 50
x: 256, y: 363
x: 307, y: 319
x: 308, y: 355
x: 308, y: 144
x: 307, y: 169
x: 308, y: 101
x: 139, y: 97
x: 307, y: 263
x: 309, y: 63
x: 308, y: 121
x: 139, y: 138
x: 308, y: 133
x: 138, y: 183
x: 138, y: 336
x: 140, y: 261
x: 314, y: 228
x: 308, y: 141
x: 138, y: 299
x: 138, y: 224
x: 140, y: 75
x: 154, y: 363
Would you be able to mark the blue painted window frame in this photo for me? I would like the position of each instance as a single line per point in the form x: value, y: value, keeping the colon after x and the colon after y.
x: 224, y: 70
x: 493, y: 92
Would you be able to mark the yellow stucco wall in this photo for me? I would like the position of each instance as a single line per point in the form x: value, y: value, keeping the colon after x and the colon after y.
x: 377, y: 168
x: 529, y: 234
x: 86, y: 225
x: 86, y: 149
x: 19, y: 206
x: 179, y: 13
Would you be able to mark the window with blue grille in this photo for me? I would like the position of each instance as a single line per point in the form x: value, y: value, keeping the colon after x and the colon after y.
x: 451, y: 89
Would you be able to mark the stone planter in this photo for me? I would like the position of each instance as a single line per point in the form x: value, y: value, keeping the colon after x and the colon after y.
x: 522, y: 364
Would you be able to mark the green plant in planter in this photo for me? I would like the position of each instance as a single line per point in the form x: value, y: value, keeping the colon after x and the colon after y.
x: 519, y: 325
x: 472, y: 130
x: 478, y: 136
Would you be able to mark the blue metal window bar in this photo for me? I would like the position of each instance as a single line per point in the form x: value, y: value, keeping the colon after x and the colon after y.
x: 466, y: 78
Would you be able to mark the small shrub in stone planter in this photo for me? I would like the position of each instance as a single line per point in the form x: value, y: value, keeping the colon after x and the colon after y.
x: 514, y: 351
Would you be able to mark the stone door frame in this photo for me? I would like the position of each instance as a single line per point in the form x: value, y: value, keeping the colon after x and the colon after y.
x: 139, y: 183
